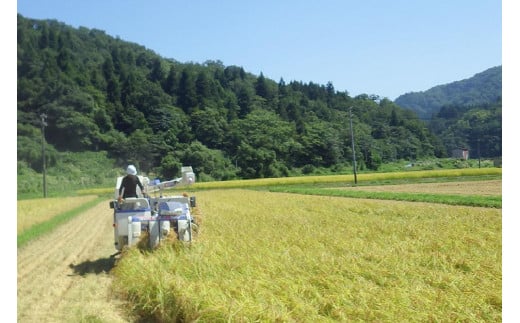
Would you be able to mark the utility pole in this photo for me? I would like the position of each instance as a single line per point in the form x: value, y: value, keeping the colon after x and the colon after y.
x: 43, y: 116
x: 353, y: 148
x: 478, y: 148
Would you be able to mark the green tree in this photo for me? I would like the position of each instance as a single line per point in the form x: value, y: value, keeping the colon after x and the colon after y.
x: 208, y: 164
x: 187, y: 92
x: 209, y: 127
x: 203, y: 88
x: 156, y: 73
x: 172, y: 81
x: 321, y: 145
x: 245, y: 99
x: 170, y: 166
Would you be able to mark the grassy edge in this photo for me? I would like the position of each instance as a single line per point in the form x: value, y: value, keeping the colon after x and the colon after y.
x: 467, y: 200
x: 39, y: 229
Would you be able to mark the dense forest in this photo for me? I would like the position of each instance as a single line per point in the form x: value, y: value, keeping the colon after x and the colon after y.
x: 89, y: 92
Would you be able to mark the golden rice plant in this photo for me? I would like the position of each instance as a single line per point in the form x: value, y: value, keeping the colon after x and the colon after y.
x: 268, y: 257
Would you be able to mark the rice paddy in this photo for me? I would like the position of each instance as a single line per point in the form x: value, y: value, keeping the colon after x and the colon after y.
x: 286, y: 257
x: 264, y: 256
x: 35, y: 211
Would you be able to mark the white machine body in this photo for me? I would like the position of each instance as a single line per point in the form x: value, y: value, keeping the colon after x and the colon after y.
x: 160, y: 217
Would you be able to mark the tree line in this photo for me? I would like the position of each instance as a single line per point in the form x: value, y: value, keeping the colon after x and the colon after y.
x: 103, y: 94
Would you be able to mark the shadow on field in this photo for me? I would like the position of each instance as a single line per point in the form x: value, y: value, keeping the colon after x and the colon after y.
x: 102, y: 265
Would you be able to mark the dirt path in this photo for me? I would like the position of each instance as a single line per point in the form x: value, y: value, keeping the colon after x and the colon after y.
x: 65, y: 276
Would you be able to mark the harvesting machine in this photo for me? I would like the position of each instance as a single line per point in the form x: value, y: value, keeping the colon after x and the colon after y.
x: 158, y: 216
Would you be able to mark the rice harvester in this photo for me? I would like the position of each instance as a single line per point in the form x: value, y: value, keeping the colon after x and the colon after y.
x: 159, y: 216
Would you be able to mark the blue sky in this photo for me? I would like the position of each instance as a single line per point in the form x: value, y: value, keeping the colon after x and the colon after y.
x: 387, y: 48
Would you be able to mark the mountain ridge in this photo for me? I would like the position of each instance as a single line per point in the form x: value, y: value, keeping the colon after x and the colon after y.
x: 482, y: 88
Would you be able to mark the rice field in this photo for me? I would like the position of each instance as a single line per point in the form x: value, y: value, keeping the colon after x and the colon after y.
x: 264, y: 256
x: 35, y: 211
x: 349, y: 178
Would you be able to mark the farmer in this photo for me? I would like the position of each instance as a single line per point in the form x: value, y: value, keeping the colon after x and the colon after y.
x: 129, y: 184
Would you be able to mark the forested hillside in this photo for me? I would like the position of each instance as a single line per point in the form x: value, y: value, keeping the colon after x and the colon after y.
x: 477, y: 128
x: 118, y: 99
x: 482, y: 89
x: 463, y: 114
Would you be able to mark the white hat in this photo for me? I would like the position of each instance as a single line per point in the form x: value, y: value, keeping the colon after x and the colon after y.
x: 131, y: 170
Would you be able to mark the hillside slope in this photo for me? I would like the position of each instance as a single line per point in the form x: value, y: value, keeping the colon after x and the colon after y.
x: 482, y: 88
x: 102, y: 94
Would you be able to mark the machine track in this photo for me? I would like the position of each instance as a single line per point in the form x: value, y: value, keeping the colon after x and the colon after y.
x: 65, y: 276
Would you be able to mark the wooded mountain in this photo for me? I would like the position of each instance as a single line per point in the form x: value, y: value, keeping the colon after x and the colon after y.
x: 481, y: 89
x: 104, y: 95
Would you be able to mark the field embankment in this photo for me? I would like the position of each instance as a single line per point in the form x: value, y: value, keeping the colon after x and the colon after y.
x: 263, y: 256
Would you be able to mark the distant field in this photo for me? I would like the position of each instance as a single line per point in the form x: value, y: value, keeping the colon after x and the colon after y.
x: 34, y: 211
x: 493, y: 187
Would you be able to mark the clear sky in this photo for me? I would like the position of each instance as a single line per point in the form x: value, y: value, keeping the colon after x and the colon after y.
x: 386, y: 48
